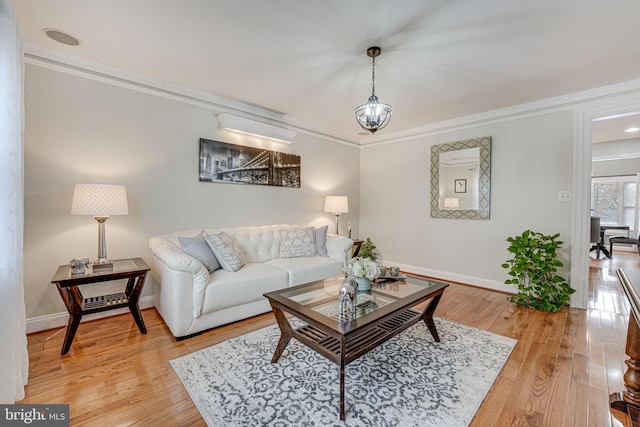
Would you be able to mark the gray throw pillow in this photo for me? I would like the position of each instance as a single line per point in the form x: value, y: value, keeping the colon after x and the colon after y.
x: 297, y: 242
x: 227, y: 251
x: 321, y: 241
x: 198, y: 248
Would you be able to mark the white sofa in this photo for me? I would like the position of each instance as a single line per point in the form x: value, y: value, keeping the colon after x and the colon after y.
x: 191, y: 299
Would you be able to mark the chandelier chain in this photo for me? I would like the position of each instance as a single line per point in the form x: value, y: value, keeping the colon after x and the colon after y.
x: 373, y: 77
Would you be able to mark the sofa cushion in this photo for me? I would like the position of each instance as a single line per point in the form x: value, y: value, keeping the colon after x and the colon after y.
x: 228, y: 289
x: 226, y: 250
x: 308, y: 269
x: 259, y: 244
x: 297, y: 242
x: 321, y: 240
x: 198, y: 248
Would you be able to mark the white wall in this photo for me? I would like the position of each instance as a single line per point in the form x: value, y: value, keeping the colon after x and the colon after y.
x: 531, y: 163
x: 616, y: 158
x: 82, y: 130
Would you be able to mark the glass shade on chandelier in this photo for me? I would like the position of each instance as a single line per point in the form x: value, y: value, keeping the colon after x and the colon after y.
x: 373, y: 115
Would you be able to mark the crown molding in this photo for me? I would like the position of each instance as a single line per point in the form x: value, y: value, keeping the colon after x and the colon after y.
x: 560, y: 103
x: 80, y: 67
x: 111, y: 75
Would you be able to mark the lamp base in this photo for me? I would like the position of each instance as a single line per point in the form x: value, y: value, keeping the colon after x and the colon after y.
x: 105, y: 266
x: 102, y: 263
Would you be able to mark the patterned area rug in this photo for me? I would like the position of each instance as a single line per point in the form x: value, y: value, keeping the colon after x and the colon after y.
x: 410, y: 380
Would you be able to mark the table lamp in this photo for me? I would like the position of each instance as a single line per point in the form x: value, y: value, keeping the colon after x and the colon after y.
x: 100, y: 201
x: 336, y: 205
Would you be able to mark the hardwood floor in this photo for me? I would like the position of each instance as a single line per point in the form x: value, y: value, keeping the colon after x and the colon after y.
x: 560, y: 374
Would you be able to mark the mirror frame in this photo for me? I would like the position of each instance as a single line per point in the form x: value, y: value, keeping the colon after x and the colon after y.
x: 484, y: 187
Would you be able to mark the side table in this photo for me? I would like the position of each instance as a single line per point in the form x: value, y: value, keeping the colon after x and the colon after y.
x: 133, y: 269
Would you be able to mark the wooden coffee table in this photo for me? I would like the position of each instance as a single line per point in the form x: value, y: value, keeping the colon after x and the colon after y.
x: 381, y: 313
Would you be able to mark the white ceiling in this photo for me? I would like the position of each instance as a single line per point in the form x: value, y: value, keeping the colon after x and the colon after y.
x: 441, y: 59
x: 613, y: 128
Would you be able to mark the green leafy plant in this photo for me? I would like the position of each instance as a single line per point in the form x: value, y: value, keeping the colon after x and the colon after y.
x: 368, y: 250
x: 533, y: 269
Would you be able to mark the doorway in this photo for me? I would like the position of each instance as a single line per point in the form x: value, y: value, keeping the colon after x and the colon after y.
x: 582, y: 165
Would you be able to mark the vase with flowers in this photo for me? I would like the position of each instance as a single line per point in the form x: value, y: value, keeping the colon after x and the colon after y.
x: 364, y: 270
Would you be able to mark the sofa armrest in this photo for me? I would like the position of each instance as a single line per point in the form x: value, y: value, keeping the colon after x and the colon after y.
x: 175, y: 259
x: 339, y: 247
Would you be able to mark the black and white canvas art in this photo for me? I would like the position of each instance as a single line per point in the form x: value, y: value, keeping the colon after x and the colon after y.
x: 238, y: 164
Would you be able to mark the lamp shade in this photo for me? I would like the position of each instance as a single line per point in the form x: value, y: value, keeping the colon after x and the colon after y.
x: 99, y: 200
x: 336, y: 204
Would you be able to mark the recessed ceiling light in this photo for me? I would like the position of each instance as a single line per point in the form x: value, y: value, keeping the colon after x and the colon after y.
x: 61, y: 37
x: 632, y: 129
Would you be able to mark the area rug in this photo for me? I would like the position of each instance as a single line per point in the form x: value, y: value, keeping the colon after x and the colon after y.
x: 410, y: 380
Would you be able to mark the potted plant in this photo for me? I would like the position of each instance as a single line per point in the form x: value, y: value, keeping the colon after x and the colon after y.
x: 364, y: 270
x: 368, y: 250
x: 533, y: 270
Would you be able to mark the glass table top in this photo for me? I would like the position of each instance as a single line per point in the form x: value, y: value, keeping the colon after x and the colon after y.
x: 322, y: 297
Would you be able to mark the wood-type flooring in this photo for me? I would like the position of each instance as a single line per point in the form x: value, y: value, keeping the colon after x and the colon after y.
x: 561, y: 372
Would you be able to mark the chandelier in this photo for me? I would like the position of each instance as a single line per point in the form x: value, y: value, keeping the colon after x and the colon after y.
x: 373, y: 115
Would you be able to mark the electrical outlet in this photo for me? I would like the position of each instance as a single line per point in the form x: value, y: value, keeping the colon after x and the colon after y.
x: 389, y: 246
x: 564, y: 196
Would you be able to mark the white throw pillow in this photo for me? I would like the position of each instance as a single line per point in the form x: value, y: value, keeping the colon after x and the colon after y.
x: 227, y: 251
x: 321, y: 241
x: 198, y: 248
x: 297, y: 242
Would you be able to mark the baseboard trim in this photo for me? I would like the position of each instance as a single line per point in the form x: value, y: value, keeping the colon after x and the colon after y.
x: 59, y: 320
x: 455, y: 277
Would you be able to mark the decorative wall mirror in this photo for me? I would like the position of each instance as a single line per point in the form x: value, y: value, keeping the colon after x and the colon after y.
x: 461, y: 179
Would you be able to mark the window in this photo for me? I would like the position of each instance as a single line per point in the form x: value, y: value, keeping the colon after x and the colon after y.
x: 613, y: 199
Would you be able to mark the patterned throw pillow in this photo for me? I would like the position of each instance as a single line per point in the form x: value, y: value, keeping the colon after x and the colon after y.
x: 297, y: 242
x: 198, y: 248
x: 226, y: 250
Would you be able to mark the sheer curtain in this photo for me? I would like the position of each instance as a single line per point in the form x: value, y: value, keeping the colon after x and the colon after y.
x: 14, y: 361
x: 637, y: 212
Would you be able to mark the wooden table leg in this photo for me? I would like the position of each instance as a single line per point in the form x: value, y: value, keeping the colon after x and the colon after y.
x: 631, y: 394
x: 285, y: 333
x: 133, y: 295
x: 342, y: 368
x: 427, y: 316
x: 72, y: 298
